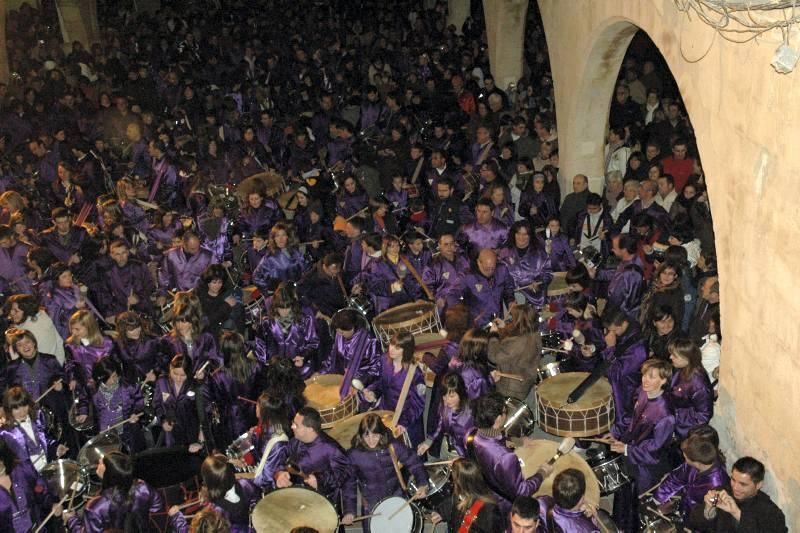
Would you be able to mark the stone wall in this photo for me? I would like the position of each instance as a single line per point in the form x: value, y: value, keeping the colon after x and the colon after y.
x: 747, y: 121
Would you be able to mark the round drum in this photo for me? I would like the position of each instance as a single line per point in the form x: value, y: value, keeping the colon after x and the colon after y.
x: 520, y: 419
x: 549, y: 370
x: 438, y: 487
x: 532, y: 455
x: 344, y: 431
x: 592, y: 414
x: 558, y: 287
x: 64, y: 477
x: 322, y: 393
x: 393, y: 515
x: 97, y: 448
x: 414, y: 317
x: 609, y: 469
x: 286, y: 509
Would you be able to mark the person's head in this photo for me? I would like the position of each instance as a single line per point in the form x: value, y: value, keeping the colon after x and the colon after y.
x: 186, y: 318
x: 345, y: 323
x: 524, y: 514
x: 524, y: 321
x: 390, y: 246
x: 401, y: 347
x: 663, y: 320
x: 648, y: 190
x: 180, y: 370
x: 210, y: 520
x: 83, y: 325
x: 616, y: 135
x: 680, y: 148
x: 490, y: 411
x: 444, y: 188
x: 21, y: 307
x: 666, y: 184
x: 271, y: 412
x: 578, y: 278
x: 332, y: 264
x: 285, y: 302
x: 307, y: 425
x: 594, y: 203
x: 614, y: 181
x: 667, y: 274
x: 281, y: 237
x: 616, y: 321
x: 656, y: 374
x: 119, y: 252
x: 468, y: 484
x: 554, y: 225
x: 685, y: 355
x: 17, y: 404
x: 22, y: 342
x: 106, y: 371
x: 580, y: 183
x: 520, y: 235
x: 447, y: 245
x: 190, y: 242
x: 699, y: 452
x: 630, y: 190
x: 454, y: 391
x: 569, y: 486
x: 129, y: 326
x: 483, y: 211
x: 624, y: 246
x: 487, y: 262
x: 747, y: 477
x: 622, y: 93
x: 372, y: 433
x: 354, y: 228
x: 61, y: 220
x: 218, y: 476
x: 116, y: 471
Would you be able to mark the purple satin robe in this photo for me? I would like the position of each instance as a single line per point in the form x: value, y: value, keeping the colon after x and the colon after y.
x: 124, y: 401
x: 64, y: 248
x: 623, y: 374
x: 502, y: 471
x: 80, y: 359
x: 543, y: 202
x: 325, y: 459
x: 178, y: 272
x: 27, y: 503
x: 141, y: 356
x: 34, y: 377
x: 348, y: 204
x: 388, y: 388
x: 180, y: 406
x: 485, y: 297
x: 275, y: 267
x: 60, y: 303
x: 13, y: 271
x: 357, y: 357
x: 277, y: 456
x: 477, y: 237
x: 224, y: 391
x: 533, y: 266
x: 691, y: 485
x: 647, y: 437
x: 218, y: 244
x: 477, y: 382
x: 446, y: 279
x: 454, y: 425
x: 23, y: 446
x: 300, y: 339
x: 204, y: 348
x: 238, y: 514
x: 692, y: 399
x: 134, y: 278
x: 561, y: 257
x: 568, y: 521
x: 376, y: 279
x: 252, y: 219
x: 103, y: 513
x: 625, y: 286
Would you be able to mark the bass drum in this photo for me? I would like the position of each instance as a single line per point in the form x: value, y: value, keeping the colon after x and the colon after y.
x: 285, y: 509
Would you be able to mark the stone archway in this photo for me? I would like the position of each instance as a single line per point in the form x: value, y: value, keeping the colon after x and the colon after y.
x: 745, y: 117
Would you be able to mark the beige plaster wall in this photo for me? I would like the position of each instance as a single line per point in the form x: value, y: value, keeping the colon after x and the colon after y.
x: 747, y: 121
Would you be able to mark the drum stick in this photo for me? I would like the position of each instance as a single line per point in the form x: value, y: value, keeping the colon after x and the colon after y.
x: 119, y: 424
x: 515, y: 377
x: 48, y: 391
x: 438, y: 463
x: 146, y: 205
x: 199, y: 370
x: 189, y: 503
x: 649, y: 491
x: 365, y: 517
x: 557, y: 350
x: 318, y: 241
x: 658, y: 513
x: 604, y: 441
x: 408, y: 502
x: 75, y: 486
x: 50, y: 515
x: 248, y: 400
x: 358, y: 213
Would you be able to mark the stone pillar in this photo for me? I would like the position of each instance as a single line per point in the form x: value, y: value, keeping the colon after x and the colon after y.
x: 3, y: 51
x: 457, y: 13
x: 78, y: 20
x: 505, y: 30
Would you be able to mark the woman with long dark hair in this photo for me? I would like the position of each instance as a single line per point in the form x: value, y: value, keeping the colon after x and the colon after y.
x: 187, y: 336
x: 218, y: 302
x: 116, y: 400
x: 690, y: 393
x: 516, y: 348
x: 472, y: 508
x: 124, y: 503
x: 25, y: 430
x: 178, y: 406
x: 661, y: 331
x: 471, y: 363
x: 527, y: 263
x: 283, y: 261
x: 269, y: 440
x: 455, y: 416
x: 24, y: 494
x: 138, y: 350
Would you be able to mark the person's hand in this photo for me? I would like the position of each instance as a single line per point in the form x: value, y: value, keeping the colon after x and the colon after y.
x: 231, y: 301
x: 588, y: 510
x: 369, y: 396
x: 534, y: 286
x: 167, y: 426
x: 348, y: 519
x: 611, y: 339
x: 57, y: 509
x: 283, y: 479
x: 200, y: 375
x: 728, y: 504
x: 61, y: 450
x: 195, y: 447
x: 161, y: 301
x: 150, y: 377
x: 111, y: 320
x: 399, y: 430
x: 592, y: 271
x: 58, y: 386
x: 66, y: 516
x: 423, y: 448
x: 587, y: 350
x: 72, y: 385
x: 73, y: 259
x: 227, y: 264
x: 80, y: 304
x: 311, y: 481
x: 435, y: 518
x: 495, y: 375
x: 132, y: 300
x: 173, y: 510
x: 498, y: 324
x: 356, y: 290
x: 298, y: 361
x: 80, y: 419
x: 618, y: 447
x: 134, y: 418
x: 396, y: 286
x: 421, y: 492
x: 545, y: 470
x: 440, y: 303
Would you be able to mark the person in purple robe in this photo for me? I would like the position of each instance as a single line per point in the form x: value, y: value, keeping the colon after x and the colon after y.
x: 372, y: 459
x: 500, y: 466
x: 254, y: 252
x: 502, y: 208
x: 283, y: 261
x: 64, y: 240
x: 385, y: 392
x: 398, y: 194
x: 445, y: 273
x: 187, y: 335
x: 487, y: 288
x: 269, y: 439
x: 384, y: 278
x: 624, y: 354
x: 164, y: 229
x: 62, y: 297
x: 626, y: 283
x: 701, y: 471
x: 535, y: 205
x: 314, y: 457
x: 139, y: 352
x: 644, y: 441
x: 123, y: 503
x: 128, y: 284
x: 485, y: 233
x: 177, y: 402
x: 24, y: 494
x: 25, y: 430
x: 690, y: 392
x: 165, y: 182
x: 352, y: 199
x: 65, y: 191
x: 289, y: 330
x: 340, y: 148
x: 527, y: 263
x: 259, y: 212
x: 455, y: 417
x: 355, y: 353
x: 13, y: 263
x: 582, y: 328
x: 183, y: 265
x: 84, y: 347
x: 472, y: 363
x: 214, y: 229
x: 116, y: 400
x: 557, y: 247
x: 566, y: 510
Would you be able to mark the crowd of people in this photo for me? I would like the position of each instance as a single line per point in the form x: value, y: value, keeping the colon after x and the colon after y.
x: 203, y: 212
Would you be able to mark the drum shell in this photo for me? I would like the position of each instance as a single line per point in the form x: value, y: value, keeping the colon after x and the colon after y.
x: 415, y: 318
x: 323, y: 395
x: 439, y: 487
x: 591, y: 415
x: 609, y: 468
x: 520, y: 421
x: 549, y: 370
x: 98, y: 447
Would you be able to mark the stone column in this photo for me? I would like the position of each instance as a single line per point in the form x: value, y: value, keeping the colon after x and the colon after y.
x: 505, y: 30
x: 78, y: 20
x: 3, y: 50
x: 457, y: 13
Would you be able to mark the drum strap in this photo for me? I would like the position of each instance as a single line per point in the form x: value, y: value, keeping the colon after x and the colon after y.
x: 471, y: 516
x: 417, y: 277
x: 417, y: 170
x: 278, y: 437
x: 397, y: 467
x: 404, y: 394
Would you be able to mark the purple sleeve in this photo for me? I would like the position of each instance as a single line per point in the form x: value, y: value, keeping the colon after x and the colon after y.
x: 277, y: 458
x: 701, y: 410
x: 411, y: 462
x: 648, y: 451
x: 673, y: 484
x: 350, y: 488
x: 333, y: 478
x: 178, y: 524
x: 509, y: 471
x: 415, y: 403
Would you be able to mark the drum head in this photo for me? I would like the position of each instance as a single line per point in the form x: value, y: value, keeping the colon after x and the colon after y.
x: 540, y: 451
x: 394, y: 516
x: 556, y: 389
x: 344, y: 430
x: 404, y: 316
x: 286, y: 509
x: 97, y: 448
x: 323, y: 391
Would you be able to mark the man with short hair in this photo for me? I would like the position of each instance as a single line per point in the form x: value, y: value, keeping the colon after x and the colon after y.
x: 486, y: 233
x: 128, y: 284
x: 647, y: 204
x: 524, y: 515
x: 64, y: 240
x: 183, y: 265
x: 567, y: 508
x: 13, y: 263
x: 439, y: 171
x: 679, y: 164
x: 666, y: 193
x: 525, y: 146
x: 707, y: 305
x: 574, y: 202
x: 445, y: 274
x: 625, y: 282
x: 740, y: 505
x: 616, y: 153
x: 446, y: 211
x: 487, y: 288
x: 592, y: 226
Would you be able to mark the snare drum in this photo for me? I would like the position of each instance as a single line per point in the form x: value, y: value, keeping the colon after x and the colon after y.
x: 360, y: 303
x: 609, y: 468
x: 591, y: 415
x: 520, y: 420
x: 551, y: 339
x: 254, y: 310
x: 93, y: 451
x: 416, y: 318
x: 549, y: 370
x: 534, y: 454
x: 64, y: 477
x: 387, y: 519
x: 657, y: 522
x: 322, y: 393
x: 291, y: 507
x: 438, y: 487
x: 241, y: 449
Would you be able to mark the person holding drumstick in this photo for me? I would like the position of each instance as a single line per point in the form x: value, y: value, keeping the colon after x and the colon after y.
x: 473, y: 507
x: 24, y: 430
x: 567, y: 510
x: 455, y: 416
x: 24, y: 494
x: 375, y: 455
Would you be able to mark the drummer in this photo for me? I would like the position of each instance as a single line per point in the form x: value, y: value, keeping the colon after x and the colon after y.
x: 455, y: 416
x: 445, y: 273
x: 24, y: 430
x: 139, y: 352
x: 314, y: 457
x: 24, y: 494
x: 487, y: 287
x: 384, y: 278
x: 385, y: 393
x: 116, y: 400
x: 527, y: 263
x: 516, y: 348
x: 269, y: 439
x: 567, y: 509
x: 283, y: 261
x: 499, y: 464
x: 376, y: 457
x: 177, y: 405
